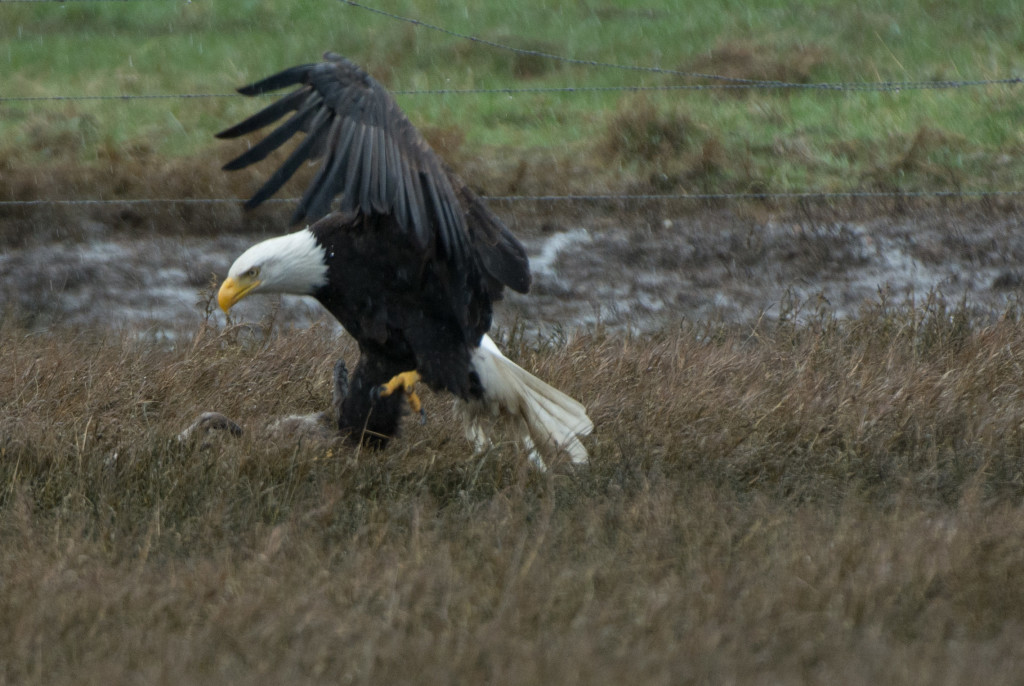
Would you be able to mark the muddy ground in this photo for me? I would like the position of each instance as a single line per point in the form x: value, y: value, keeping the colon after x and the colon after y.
x: 639, y: 269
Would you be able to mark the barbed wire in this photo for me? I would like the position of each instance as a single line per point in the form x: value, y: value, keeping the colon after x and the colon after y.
x: 589, y: 198
x: 539, y: 53
x: 68, y: 1
x: 150, y: 96
x: 733, y: 81
x: 865, y: 87
x: 719, y: 82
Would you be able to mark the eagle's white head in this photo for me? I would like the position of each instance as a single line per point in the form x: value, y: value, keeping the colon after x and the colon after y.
x: 294, y: 264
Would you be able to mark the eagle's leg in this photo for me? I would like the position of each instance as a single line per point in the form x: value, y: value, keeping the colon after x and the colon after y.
x: 363, y: 415
x: 339, y: 390
x: 406, y: 381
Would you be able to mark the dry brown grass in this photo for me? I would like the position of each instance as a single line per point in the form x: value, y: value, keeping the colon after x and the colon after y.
x: 134, y: 175
x: 640, y: 130
x: 816, y: 502
x: 748, y: 61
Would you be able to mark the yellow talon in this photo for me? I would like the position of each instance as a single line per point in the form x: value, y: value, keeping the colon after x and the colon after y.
x: 404, y: 381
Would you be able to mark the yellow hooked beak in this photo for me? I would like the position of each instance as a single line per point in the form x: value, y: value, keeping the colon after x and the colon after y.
x: 234, y: 289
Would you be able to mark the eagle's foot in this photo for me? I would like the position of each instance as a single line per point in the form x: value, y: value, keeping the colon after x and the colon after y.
x: 406, y: 382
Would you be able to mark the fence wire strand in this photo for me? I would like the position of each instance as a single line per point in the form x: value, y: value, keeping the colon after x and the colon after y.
x: 730, y: 81
x: 717, y: 82
x: 580, y: 198
x: 889, y: 87
x: 62, y: 2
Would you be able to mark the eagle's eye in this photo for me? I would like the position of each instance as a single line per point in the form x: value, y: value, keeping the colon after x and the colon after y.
x: 252, y: 272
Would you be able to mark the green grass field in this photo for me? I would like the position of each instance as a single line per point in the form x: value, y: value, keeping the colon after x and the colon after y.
x: 663, y: 141
x: 770, y: 502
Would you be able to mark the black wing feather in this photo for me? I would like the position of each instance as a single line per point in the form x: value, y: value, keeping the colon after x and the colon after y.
x: 284, y: 172
x: 393, y: 172
x: 276, y: 138
x: 378, y: 190
x: 268, y: 115
x: 312, y: 200
x: 366, y: 200
x: 282, y: 79
x: 417, y: 207
x: 349, y: 200
x: 310, y: 119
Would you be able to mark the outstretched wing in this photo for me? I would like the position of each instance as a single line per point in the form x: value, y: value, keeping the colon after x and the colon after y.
x: 374, y: 159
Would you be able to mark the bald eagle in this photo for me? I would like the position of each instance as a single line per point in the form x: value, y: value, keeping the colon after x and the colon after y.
x: 410, y: 262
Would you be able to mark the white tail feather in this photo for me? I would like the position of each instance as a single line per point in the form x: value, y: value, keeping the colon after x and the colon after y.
x: 545, y: 419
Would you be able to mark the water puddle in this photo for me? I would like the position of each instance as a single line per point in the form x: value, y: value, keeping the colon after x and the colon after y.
x: 618, y: 277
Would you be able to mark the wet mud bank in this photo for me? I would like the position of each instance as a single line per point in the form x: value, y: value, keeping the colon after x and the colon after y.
x: 640, y: 275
